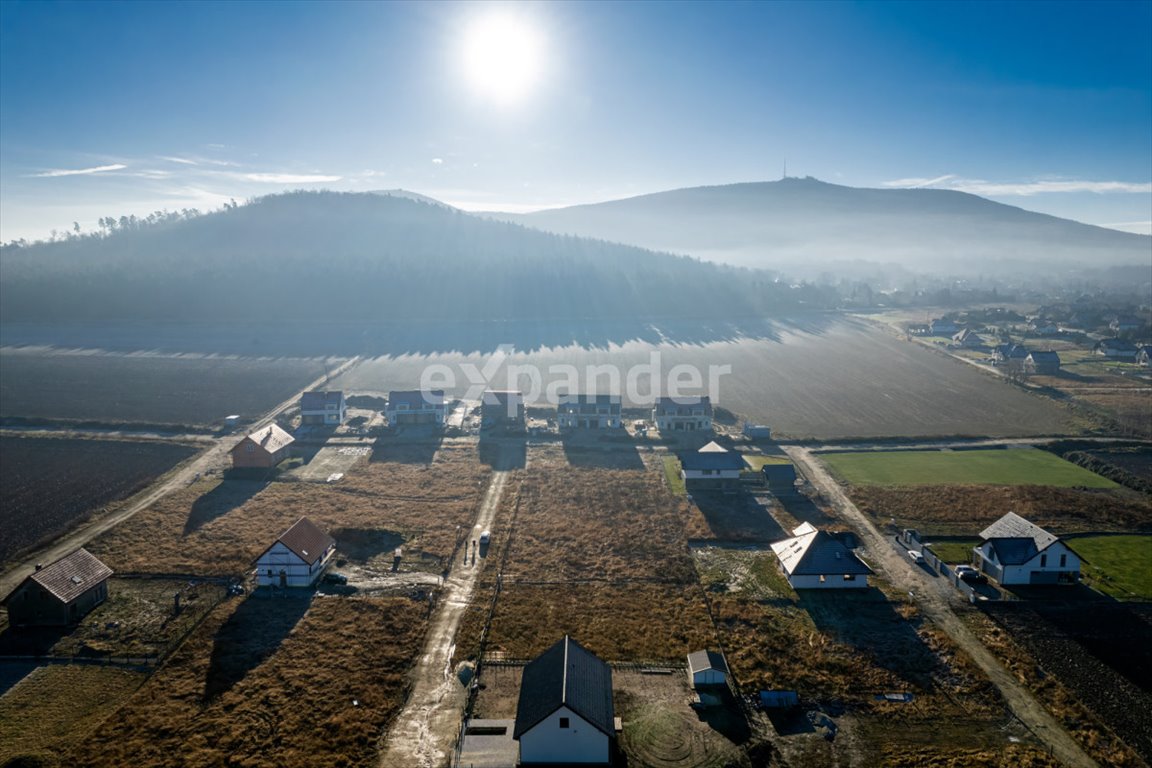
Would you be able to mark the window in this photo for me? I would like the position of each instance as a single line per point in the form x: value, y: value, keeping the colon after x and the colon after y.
x: 849, y: 577
x: 1063, y: 560
x: 1043, y: 561
x: 563, y: 722
x: 821, y: 578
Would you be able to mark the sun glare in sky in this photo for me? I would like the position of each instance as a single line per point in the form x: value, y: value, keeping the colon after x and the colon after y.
x: 503, y: 57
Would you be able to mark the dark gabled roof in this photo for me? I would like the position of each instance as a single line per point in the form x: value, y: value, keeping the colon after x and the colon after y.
x: 317, y: 399
x: 711, y: 456
x: 71, y: 576
x: 308, y: 542
x: 1016, y: 540
x: 1044, y: 356
x: 589, y: 400
x: 698, y: 661
x: 812, y: 552
x: 683, y: 406
x: 1122, y: 345
x: 566, y: 675
x: 416, y: 399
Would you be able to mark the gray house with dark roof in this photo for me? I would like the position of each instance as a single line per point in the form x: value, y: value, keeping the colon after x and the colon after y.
x: 61, y: 594
x: 1015, y: 551
x: 713, y: 466
x: 1043, y: 362
x: 564, y: 715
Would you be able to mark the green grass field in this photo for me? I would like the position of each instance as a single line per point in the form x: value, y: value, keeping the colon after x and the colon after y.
x: 954, y: 552
x: 756, y: 462
x: 1120, y: 566
x: 672, y: 473
x: 1017, y: 466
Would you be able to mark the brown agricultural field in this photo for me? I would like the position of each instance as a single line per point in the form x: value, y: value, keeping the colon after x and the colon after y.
x: 219, y: 527
x: 271, y: 683
x: 966, y: 510
x: 57, y: 707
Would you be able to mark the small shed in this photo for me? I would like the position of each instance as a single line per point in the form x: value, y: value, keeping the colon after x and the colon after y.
x: 707, y: 668
x: 60, y: 594
x: 781, y: 477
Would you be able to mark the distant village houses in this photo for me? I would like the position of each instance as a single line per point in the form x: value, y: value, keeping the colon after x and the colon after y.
x: 416, y: 406
x: 61, y: 593
x: 321, y: 407
x: 942, y: 327
x: 1115, y: 349
x: 297, y: 558
x: 263, y: 449
x: 1043, y: 362
x: 967, y: 339
x: 683, y: 414
x: 588, y: 412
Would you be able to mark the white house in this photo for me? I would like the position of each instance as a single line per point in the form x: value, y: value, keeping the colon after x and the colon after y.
x: 815, y: 559
x: 588, y: 412
x: 564, y: 715
x: 297, y: 558
x: 416, y: 406
x: 967, y: 338
x: 323, y: 407
x: 707, y: 668
x: 713, y: 466
x: 680, y: 414
x: 1014, y: 551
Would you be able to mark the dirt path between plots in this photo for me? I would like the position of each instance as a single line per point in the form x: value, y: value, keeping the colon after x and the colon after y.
x: 423, y: 734
x: 213, y: 457
x: 901, y: 573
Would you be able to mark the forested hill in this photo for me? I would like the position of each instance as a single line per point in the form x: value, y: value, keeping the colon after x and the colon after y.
x: 363, y: 257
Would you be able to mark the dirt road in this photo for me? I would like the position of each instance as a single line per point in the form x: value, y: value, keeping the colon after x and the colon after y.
x: 213, y: 457
x: 903, y: 574
x: 423, y: 734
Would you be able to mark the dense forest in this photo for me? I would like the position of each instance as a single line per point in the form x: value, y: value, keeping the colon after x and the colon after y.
x: 364, y: 257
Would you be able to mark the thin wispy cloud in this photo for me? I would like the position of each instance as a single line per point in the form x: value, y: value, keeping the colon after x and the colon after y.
x: 1021, y: 188
x: 285, y: 178
x: 437, y: 161
x: 55, y: 173
x: 180, y: 160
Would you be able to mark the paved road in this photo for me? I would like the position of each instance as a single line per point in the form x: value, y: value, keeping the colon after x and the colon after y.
x: 903, y: 574
x: 423, y: 734
x: 215, y: 456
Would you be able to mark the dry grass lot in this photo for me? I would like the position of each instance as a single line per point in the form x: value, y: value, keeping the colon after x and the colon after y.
x: 960, y: 510
x: 56, y: 707
x: 219, y: 527
x: 271, y: 683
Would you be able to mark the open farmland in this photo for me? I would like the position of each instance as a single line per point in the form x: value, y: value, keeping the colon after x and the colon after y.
x: 965, y: 510
x: 823, y: 377
x: 146, y: 389
x: 271, y: 682
x: 417, y: 493
x: 1015, y: 466
x: 48, y: 485
x: 58, y: 706
x: 1120, y: 566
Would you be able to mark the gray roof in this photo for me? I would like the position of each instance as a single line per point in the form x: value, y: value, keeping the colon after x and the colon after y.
x: 698, y: 661
x: 317, y: 399
x: 1016, y: 540
x: 572, y: 399
x: 683, y: 406
x: 71, y: 576
x: 812, y: 552
x: 711, y: 456
x: 416, y: 399
x: 566, y: 675
x: 1044, y: 356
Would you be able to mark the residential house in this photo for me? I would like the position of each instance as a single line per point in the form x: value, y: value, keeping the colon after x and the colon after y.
x: 1043, y: 362
x: 1010, y: 353
x: 502, y: 408
x: 1116, y: 349
x: 588, y: 412
x: 815, y: 559
x: 564, y: 714
x: 416, y: 406
x: 707, y: 668
x: 322, y: 407
x: 59, y: 594
x: 1015, y: 551
x: 1144, y: 355
x: 942, y: 326
x: 683, y: 414
x: 756, y: 431
x: 264, y: 448
x: 711, y: 467
x: 1125, y: 323
x: 967, y: 339
x: 296, y: 558
x: 780, y: 477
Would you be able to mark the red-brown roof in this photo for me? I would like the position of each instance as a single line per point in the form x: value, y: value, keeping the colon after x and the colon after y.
x: 68, y: 578
x: 308, y: 542
x: 271, y: 438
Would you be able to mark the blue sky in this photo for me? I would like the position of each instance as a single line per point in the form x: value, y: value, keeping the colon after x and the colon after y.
x: 117, y: 108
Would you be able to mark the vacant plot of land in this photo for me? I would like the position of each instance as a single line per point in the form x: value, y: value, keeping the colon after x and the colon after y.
x: 152, y: 389
x: 271, y: 682
x: 1135, y: 460
x: 954, y: 551
x: 801, y: 377
x: 672, y: 476
x: 1120, y: 566
x: 965, y: 510
x: 219, y: 527
x: 48, y: 485
x: 57, y: 707
x: 1017, y: 466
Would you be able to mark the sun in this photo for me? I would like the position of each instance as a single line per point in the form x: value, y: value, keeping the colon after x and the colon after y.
x: 503, y: 57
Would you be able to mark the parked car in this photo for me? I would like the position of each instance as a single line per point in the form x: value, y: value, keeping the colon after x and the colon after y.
x: 916, y: 556
x: 968, y: 573
x: 486, y: 537
x: 335, y: 578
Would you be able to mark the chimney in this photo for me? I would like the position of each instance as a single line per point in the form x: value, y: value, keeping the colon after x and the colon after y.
x: 39, y: 566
